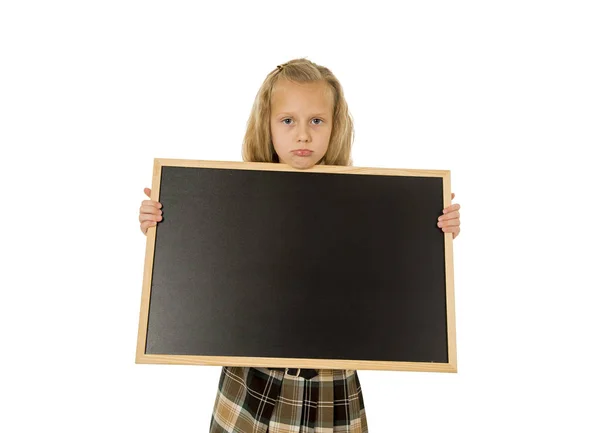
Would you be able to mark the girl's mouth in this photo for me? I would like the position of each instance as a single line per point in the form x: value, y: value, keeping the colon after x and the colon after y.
x: 302, y: 152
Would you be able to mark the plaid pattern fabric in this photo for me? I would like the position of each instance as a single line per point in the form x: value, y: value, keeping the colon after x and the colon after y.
x: 259, y: 400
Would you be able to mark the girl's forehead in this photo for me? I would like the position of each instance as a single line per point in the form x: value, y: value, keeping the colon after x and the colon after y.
x: 313, y: 93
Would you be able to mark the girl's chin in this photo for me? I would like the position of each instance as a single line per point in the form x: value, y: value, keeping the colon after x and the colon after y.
x: 303, y: 165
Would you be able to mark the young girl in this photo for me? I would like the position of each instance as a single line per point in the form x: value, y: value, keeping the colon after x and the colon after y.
x: 300, y: 118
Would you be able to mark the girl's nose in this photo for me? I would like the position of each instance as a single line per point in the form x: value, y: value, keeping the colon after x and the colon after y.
x: 303, y: 134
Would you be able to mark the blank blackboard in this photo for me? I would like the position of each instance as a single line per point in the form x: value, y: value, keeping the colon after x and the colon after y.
x: 264, y: 265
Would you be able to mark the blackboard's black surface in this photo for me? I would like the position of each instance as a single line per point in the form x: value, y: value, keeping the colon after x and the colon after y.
x: 298, y: 265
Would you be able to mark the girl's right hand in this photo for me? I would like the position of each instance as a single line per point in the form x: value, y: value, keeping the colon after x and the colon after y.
x: 150, y: 212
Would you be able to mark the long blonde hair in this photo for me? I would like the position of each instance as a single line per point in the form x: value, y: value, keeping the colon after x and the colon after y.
x: 258, y: 144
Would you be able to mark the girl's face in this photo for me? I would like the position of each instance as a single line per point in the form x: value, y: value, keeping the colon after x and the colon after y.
x: 301, y: 122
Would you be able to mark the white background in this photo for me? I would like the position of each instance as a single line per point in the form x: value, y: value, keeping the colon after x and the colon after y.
x: 506, y: 95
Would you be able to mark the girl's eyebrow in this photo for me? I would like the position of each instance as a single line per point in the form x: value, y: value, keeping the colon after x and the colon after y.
x: 285, y: 113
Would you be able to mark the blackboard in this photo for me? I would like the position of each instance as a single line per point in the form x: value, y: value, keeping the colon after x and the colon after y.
x: 264, y: 265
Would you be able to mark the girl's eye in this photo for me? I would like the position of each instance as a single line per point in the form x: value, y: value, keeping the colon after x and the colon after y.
x: 290, y: 121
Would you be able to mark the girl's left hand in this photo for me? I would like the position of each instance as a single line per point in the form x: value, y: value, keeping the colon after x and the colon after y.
x: 449, y: 221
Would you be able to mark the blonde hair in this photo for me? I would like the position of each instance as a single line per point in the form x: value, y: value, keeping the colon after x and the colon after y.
x: 258, y: 144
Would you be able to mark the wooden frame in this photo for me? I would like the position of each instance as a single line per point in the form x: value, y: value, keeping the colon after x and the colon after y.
x: 142, y: 357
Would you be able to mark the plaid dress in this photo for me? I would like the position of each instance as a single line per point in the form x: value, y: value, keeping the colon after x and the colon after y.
x: 259, y: 400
